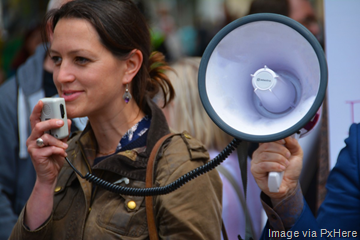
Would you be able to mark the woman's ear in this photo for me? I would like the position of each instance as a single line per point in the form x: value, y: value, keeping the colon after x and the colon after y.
x: 133, y: 64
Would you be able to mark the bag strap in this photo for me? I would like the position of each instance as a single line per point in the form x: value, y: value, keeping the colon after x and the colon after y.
x: 153, y: 235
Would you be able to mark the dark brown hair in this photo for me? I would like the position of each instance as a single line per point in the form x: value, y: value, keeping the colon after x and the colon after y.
x: 122, y: 28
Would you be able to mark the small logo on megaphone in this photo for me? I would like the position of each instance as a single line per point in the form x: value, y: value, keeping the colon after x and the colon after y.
x: 263, y: 80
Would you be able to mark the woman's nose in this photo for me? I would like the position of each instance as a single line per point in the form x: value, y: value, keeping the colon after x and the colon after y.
x: 64, y: 73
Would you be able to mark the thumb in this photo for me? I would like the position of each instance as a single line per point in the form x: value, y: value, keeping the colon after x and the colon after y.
x: 293, y: 146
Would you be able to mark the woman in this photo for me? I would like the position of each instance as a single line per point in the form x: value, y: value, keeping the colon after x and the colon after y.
x: 104, y: 70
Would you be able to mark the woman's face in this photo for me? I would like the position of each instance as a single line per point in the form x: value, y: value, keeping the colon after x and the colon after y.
x: 88, y: 76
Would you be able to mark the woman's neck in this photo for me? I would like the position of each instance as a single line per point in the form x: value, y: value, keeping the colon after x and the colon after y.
x: 110, y: 128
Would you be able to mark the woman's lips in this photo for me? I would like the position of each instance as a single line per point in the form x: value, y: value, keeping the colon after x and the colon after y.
x: 71, y: 95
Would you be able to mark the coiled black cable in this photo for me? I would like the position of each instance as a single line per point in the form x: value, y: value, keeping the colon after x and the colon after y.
x: 167, y: 188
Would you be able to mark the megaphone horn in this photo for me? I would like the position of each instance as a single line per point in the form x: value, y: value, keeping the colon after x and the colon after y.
x: 262, y: 78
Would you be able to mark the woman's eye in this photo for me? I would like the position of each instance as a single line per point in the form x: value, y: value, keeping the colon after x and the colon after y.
x: 81, y: 60
x: 56, y: 60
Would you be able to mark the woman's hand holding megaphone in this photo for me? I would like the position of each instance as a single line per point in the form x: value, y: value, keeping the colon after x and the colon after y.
x: 281, y: 156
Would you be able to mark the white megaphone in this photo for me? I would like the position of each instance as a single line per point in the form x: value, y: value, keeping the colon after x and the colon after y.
x: 263, y: 78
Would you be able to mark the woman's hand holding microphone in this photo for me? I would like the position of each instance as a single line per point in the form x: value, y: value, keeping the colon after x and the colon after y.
x: 47, y: 154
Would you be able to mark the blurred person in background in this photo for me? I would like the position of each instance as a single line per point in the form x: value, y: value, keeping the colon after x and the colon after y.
x: 187, y: 112
x: 303, y: 12
x: 18, y: 95
x: 32, y: 39
x: 165, y: 37
x: 300, y: 10
x: 281, y: 7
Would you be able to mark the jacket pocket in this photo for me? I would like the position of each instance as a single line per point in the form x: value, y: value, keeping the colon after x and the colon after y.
x: 124, y: 215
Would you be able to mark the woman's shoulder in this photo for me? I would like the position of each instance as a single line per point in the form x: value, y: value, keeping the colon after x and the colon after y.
x: 184, y: 146
x: 181, y: 154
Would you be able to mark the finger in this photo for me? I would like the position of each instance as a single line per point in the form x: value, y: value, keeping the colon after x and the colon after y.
x: 272, y: 157
x: 46, y: 152
x: 272, y: 147
x: 52, y: 141
x: 293, y: 145
x: 281, y: 141
x: 36, y: 114
x: 263, y: 168
x: 44, y: 126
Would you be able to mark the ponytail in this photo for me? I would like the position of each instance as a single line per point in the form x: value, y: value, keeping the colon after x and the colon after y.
x: 158, y: 79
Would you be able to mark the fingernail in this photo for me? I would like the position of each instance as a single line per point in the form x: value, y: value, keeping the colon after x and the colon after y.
x: 65, y: 145
x: 282, y: 167
x: 59, y: 122
x: 288, y: 155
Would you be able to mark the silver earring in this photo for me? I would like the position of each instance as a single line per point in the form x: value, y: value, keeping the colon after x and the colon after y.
x: 127, y: 95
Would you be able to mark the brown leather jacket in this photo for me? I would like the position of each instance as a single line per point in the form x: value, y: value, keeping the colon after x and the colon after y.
x: 82, y: 211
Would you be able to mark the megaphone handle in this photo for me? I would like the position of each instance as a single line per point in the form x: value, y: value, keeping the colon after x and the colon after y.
x: 274, y: 181
x: 275, y: 178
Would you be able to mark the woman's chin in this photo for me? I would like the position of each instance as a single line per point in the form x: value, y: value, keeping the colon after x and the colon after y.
x: 74, y: 114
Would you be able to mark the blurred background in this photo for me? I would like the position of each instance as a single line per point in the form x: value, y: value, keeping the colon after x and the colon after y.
x: 19, y: 32
x: 179, y: 27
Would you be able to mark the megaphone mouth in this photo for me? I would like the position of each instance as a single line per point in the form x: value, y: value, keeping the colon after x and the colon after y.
x: 240, y: 49
x: 296, y: 85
